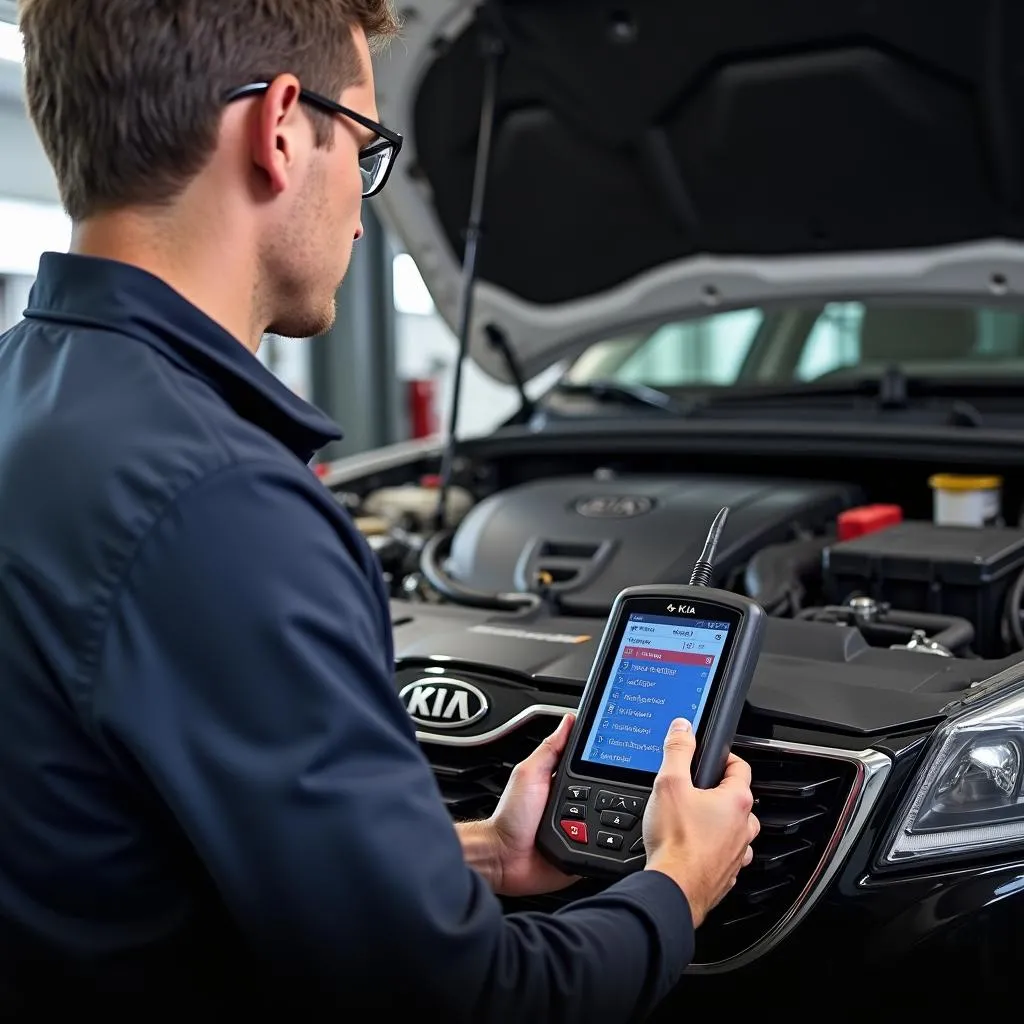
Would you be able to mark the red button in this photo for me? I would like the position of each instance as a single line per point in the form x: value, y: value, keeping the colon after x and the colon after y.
x: 575, y: 830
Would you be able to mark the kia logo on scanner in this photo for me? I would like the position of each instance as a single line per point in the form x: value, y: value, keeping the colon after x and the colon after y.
x: 443, y: 703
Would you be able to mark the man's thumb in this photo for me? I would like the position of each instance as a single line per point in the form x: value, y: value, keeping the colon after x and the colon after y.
x: 545, y: 758
x: 679, y: 746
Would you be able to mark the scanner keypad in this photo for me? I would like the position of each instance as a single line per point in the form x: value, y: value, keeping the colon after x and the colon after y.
x: 618, y: 814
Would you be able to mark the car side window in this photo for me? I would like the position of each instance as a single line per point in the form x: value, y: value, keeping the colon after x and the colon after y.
x: 833, y: 342
x: 848, y: 334
x: 1000, y: 334
x: 710, y: 350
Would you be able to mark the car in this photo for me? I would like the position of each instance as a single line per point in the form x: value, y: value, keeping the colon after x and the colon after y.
x: 777, y: 253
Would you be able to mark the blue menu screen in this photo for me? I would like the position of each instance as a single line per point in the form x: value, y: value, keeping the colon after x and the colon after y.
x: 663, y: 670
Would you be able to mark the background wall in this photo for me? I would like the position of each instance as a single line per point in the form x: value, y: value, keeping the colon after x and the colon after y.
x: 31, y: 220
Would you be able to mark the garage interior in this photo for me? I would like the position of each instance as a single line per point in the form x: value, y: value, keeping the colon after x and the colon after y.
x: 869, y: 447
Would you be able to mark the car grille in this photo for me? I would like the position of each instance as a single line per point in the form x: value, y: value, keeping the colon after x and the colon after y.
x: 800, y: 800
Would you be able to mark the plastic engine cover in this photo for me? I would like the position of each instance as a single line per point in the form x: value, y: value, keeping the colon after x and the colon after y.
x: 587, y: 539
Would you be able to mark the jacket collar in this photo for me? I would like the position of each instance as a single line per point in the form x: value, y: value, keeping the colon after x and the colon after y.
x: 107, y: 295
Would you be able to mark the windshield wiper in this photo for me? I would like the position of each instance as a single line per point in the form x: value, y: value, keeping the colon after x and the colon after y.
x: 886, y: 391
x: 894, y: 389
x: 621, y: 394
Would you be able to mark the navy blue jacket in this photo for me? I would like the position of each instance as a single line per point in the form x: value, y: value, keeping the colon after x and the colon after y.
x: 210, y: 794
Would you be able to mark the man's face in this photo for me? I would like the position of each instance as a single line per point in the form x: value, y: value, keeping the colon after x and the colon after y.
x: 313, y: 248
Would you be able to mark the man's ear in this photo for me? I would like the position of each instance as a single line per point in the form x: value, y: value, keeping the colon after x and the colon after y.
x: 276, y: 131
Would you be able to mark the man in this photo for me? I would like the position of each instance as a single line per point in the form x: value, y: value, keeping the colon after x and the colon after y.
x: 212, y: 798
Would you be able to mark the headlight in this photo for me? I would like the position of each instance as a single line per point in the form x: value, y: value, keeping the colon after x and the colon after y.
x: 969, y: 796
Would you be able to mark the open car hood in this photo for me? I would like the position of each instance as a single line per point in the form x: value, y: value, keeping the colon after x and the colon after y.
x: 653, y: 159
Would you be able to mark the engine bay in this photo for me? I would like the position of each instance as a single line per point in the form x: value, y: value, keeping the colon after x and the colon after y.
x: 871, y: 629
x: 578, y: 541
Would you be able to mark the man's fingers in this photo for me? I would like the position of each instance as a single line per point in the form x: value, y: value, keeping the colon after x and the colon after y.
x: 678, y: 749
x: 738, y: 769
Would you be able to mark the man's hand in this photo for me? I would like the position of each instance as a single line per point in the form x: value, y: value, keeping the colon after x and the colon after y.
x: 699, y: 838
x: 503, y: 848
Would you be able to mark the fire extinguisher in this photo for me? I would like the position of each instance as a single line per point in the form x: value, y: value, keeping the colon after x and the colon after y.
x: 422, y: 408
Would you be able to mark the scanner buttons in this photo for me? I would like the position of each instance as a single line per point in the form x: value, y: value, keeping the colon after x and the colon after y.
x: 608, y: 801
x: 617, y: 812
x: 618, y: 819
x: 575, y: 830
x: 572, y: 820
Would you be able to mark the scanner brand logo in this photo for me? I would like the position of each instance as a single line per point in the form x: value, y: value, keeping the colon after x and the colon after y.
x: 444, y: 703
x: 682, y: 609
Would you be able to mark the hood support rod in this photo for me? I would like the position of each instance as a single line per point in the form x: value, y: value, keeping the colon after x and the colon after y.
x: 496, y: 336
x: 493, y: 49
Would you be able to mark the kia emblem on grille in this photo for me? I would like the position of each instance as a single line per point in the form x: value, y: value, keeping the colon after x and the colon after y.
x: 443, y: 703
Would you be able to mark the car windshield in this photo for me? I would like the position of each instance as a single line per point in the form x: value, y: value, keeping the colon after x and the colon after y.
x: 809, y: 343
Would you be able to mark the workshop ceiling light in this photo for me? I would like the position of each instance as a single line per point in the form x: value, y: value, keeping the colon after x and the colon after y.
x: 11, y: 48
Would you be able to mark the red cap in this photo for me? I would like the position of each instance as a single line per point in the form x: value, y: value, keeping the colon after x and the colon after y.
x: 855, y: 522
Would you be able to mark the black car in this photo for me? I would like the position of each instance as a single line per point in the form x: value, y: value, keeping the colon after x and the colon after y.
x: 772, y: 254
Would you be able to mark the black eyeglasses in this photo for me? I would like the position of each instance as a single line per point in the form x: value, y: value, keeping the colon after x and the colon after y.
x: 375, y: 159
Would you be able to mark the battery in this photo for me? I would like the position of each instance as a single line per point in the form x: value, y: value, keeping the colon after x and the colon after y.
x: 946, y: 570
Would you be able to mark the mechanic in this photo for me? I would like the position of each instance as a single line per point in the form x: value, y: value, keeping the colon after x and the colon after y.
x: 212, y: 796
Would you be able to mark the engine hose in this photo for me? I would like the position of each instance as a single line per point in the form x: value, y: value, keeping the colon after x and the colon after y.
x: 1012, y: 611
x: 947, y: 630
x: 775, y: 575
x: 431, y: 557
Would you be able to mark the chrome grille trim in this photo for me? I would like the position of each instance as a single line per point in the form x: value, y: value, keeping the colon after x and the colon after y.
x: 872, y: 771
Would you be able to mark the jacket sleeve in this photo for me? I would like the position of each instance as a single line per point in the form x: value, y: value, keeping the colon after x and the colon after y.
x: 242, y: 671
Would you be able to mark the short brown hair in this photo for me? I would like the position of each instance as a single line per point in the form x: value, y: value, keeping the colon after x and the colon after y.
x: 127, y: 95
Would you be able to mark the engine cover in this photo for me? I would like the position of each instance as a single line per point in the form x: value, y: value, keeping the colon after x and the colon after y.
x: 588, y: 538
